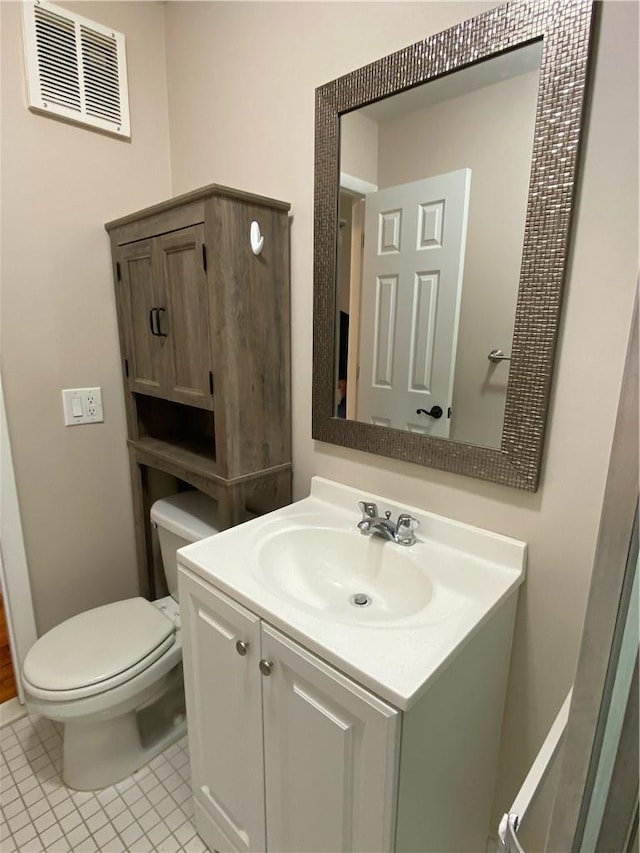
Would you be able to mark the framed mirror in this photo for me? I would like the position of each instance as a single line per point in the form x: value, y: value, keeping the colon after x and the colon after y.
x: 444, y: 181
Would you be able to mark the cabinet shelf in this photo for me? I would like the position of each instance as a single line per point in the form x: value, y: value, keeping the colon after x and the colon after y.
x: 183, y: 458
x: 178, y: 459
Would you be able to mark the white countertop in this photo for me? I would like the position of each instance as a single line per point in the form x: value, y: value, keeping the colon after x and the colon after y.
x: 471, y: 571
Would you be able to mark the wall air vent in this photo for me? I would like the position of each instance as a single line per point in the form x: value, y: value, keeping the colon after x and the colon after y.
x: 76, y: 68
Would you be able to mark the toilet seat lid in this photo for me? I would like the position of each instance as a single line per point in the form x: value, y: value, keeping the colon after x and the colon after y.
x: 97, y: 645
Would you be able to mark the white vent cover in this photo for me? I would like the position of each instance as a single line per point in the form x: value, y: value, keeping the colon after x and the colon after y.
x: 76, y: 69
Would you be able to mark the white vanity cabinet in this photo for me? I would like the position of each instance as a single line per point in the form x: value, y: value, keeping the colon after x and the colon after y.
x: 287, y: 754
x: 318, y: 725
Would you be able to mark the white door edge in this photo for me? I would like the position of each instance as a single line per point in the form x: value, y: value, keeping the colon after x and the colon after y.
x: 14, y: 574
x: 463, y: 248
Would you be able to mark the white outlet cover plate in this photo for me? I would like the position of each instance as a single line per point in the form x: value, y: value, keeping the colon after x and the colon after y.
x: 82, y: 406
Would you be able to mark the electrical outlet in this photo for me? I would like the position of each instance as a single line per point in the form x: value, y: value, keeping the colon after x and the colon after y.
x: 92, y: 403
x: 82, y: 406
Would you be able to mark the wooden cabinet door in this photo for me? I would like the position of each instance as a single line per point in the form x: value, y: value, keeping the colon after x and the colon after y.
x: 141, y: 291
x: 185, y: 319
x: 331, y: 756
x: 224, y: 711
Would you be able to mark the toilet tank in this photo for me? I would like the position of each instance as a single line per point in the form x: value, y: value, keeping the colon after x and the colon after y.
x: 182, y: 519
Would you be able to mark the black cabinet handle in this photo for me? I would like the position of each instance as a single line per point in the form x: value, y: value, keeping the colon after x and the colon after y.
x: 154, y: 322
x: 433, y: 412
x: 159, y: 331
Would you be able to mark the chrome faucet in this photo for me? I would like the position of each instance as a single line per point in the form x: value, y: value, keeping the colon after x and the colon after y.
x: 402, y: 531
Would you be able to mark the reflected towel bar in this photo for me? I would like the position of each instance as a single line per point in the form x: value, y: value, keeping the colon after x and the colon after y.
x: 497, y: 355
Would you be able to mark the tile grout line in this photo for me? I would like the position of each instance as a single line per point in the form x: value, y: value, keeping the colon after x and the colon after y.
x: 6, y: 768
x: 10, y: 771
x: 56, y: 763
x: 41, y: 734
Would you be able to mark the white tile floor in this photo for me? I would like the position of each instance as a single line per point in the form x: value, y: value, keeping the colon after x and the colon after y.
x: 149, y: 811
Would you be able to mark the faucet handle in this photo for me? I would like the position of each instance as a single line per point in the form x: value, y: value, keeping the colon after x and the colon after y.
x: 406, y: 526
x: 369, y: 510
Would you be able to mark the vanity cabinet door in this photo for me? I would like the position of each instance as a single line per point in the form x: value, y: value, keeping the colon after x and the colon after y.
x: 141, y: 293
x: 224, y: 710
x: 165, y: 306
x: 185, y: 318
x: 331, y: 756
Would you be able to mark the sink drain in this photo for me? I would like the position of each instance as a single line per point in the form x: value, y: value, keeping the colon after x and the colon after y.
x: 361, y: 599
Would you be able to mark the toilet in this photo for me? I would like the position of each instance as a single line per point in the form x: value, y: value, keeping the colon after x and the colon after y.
x: 113, y: 675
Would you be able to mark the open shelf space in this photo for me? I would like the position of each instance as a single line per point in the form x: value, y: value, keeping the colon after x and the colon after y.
x: 165, y: 425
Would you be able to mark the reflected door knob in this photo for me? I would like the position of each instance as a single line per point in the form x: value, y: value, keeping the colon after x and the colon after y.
x: 433, y: 412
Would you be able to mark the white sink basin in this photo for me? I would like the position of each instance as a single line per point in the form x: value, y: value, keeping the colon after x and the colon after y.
x: 345, y: 574
x: 300, y: 567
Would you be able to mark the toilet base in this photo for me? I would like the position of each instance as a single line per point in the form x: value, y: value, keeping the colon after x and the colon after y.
x: 101, y: 752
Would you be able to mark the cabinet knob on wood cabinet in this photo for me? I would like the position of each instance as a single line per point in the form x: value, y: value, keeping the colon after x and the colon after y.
x: 265, y: 666
x: 257, y: 240
x: 242, y: 648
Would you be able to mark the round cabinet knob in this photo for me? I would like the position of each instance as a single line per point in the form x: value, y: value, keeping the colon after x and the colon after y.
x: 265, y: 666
x: 242, y: 648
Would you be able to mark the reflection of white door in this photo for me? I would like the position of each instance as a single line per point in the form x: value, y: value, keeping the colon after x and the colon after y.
x: 411, y: 288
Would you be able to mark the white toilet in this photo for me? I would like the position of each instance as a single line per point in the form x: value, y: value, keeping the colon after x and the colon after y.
x: 113, y: 675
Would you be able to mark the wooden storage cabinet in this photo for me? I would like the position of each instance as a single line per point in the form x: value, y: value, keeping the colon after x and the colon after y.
x: 299, y: 759
x: 205, y: 340
x: 166, y: 315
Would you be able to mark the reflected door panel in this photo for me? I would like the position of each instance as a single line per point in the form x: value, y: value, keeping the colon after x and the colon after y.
x: 413, y: 262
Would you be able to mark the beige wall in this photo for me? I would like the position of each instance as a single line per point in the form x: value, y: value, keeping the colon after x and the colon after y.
x: 241, y: 101
x: 359, y: 147
x: 60, y: 184
x: 489, y: 131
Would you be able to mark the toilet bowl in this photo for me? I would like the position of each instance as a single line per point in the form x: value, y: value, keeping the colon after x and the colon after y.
x: 113, y: 675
